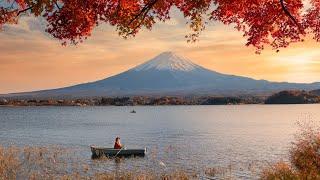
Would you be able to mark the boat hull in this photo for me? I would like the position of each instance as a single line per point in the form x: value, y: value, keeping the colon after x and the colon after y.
x: 110, y: 152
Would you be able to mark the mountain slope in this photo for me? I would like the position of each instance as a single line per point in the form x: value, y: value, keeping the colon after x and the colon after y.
x: 169, y: 74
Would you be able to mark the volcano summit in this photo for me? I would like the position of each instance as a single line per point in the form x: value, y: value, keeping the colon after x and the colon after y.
x: 170, y: 74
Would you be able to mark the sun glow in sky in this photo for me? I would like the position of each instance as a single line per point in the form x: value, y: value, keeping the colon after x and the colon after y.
x: 31, y: 60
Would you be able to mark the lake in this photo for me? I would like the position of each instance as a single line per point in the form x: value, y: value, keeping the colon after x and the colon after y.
x: 181, y: 137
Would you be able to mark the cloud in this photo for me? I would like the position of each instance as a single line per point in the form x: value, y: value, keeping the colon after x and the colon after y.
x: 30, y: 59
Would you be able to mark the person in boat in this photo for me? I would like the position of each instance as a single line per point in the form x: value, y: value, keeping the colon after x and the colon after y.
x: 117, y: 143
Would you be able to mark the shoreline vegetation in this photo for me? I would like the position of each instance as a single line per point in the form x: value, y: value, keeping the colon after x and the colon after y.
x: 304, y: 157
x: 55, y: 162
x: 59, y: 163
x: 283, y: 97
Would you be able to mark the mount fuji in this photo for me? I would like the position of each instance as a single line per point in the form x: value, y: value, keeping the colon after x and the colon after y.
x: 170, y: 74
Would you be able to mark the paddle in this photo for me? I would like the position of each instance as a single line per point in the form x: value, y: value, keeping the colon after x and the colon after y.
x: 119, y: 151
x: 162, y: 164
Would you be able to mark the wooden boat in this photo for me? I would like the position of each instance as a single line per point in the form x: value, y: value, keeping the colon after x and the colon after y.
x: 110, y: 152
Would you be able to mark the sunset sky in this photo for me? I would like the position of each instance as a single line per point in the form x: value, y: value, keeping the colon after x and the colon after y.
x: 31, y: 60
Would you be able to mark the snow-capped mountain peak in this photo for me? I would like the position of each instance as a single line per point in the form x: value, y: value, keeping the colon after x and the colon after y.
x: 168, y: 61
x: 152, y: 78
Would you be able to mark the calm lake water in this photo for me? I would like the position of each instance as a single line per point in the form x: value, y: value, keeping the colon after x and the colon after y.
x: 182, y: 137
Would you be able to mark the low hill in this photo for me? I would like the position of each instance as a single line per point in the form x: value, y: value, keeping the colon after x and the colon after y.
x: 293, y: 97
x: 315, y: 92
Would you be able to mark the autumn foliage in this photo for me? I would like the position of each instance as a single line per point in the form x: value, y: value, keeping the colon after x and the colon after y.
x: 304, y: 157
x: 274, y: 22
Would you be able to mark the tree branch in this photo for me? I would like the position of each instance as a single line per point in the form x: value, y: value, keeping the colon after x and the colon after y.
x: 144, y: 13
x: 144, y: 10
x: 57, y: 5
x: 24, y: 10
x: 139, y: 24
x: 284, y: 8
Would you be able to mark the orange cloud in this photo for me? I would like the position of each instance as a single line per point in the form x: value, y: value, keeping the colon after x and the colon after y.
x: 31, y: 60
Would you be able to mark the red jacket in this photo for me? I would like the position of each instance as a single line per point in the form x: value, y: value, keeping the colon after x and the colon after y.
x: 117, y: 145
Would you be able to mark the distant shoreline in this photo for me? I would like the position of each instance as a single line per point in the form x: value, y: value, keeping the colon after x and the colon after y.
x: 134, y: 101
x: 262, y: 104
x: 283, y: 97
x: 129, y: 105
